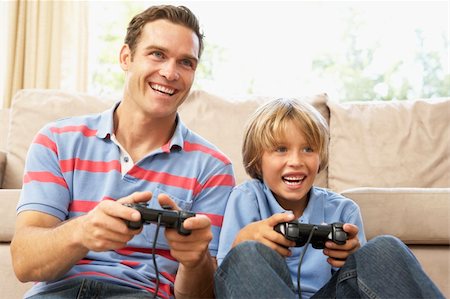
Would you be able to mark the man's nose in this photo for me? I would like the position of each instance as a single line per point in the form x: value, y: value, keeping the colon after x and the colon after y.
x: 169, y: 71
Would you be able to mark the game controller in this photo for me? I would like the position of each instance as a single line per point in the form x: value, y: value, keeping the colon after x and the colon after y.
x: 299, y: 233
x: 168, y: 218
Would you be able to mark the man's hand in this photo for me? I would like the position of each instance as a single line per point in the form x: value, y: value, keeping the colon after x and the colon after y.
x: 263, y: 232
x: 104, y: 227
x: 338, y: 254
x: 196, y: 271
x: 189, y: 250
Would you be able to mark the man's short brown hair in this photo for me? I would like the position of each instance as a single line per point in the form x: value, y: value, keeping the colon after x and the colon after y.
x: 176, y: 14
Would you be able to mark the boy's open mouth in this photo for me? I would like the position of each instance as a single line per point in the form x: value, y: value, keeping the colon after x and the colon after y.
x: 293, y: 180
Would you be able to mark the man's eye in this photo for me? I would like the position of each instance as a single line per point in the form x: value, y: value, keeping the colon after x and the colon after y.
x: 157, y: 54
x: 187, y: 63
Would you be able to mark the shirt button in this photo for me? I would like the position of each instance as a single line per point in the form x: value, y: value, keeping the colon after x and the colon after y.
x: 125, y: 159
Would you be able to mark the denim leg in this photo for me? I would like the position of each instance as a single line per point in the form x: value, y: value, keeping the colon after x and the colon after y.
x: 253, y: 270
x: 92, y: 289
x: 383, y: 268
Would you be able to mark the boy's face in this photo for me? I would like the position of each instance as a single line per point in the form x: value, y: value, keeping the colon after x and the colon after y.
x: 289, y: 169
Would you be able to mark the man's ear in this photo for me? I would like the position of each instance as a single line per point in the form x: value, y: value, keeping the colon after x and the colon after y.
x: 125, y: 57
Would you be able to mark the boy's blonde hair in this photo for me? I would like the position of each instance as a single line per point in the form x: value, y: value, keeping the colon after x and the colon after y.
x: 267, y: 126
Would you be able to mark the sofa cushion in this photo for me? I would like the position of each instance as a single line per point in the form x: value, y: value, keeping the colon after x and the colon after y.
x: 222, y: 122
x: 32, y: 109
x: 218, y: 120
x: 389, y: 144
x: 4, y: 125
x: 8, y: 203
x: 414, y: 215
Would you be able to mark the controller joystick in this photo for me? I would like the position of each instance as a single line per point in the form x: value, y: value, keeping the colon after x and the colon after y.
x: 299, y: 233
x: 168, y: 218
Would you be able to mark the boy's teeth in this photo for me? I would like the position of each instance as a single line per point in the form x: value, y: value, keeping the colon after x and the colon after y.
x: 291, y: 180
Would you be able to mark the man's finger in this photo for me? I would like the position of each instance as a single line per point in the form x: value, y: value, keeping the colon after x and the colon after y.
x: 136, y: 197
x: 165, y: 200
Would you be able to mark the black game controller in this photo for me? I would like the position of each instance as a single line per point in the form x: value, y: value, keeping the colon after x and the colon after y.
x: 168, y: 218
x: 299, y: 232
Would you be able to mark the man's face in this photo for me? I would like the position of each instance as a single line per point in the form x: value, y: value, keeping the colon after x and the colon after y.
x: 161, y: 71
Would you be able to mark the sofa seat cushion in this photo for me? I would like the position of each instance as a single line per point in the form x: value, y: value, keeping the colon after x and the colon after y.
x: 414, y: 215
x: 389, y: 144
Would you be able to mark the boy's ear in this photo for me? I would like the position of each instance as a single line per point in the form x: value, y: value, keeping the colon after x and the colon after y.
x: 125, y: 57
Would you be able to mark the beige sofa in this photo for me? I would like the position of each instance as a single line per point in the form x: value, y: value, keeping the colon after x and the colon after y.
x: 393, y: 158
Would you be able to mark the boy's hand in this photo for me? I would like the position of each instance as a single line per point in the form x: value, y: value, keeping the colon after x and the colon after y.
x: 263, y: 232
x: 338, y: 254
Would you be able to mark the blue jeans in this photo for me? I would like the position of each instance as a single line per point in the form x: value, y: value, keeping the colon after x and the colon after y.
x: 90, y: 289
x: 383, y: 268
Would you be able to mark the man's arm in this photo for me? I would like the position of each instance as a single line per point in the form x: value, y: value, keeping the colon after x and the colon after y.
x: 195, y: 276
x: 197, y: 282
x: 44, y: 248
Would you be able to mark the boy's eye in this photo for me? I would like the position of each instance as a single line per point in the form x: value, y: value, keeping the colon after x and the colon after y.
x: 308, y: 149
x: 281, y: 149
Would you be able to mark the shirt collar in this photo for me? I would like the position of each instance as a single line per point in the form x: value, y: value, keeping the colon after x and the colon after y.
x: 106, y: 124
x: 314, y: 211
x: 106, y: 129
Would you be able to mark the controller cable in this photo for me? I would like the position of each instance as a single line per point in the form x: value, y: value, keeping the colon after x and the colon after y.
x: 311, y: 233
x: 155, y: 265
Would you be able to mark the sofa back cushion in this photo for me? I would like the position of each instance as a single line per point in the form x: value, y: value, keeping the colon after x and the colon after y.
x: 4, y: 125
x: 389, y: 144
x: 30, y: 111
x: 222, y: 122
x: 219, y: 120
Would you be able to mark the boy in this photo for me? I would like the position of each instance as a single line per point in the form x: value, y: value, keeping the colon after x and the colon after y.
x: 285, y: 146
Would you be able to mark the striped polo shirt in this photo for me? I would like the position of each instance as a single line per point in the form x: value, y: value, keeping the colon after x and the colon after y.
x: 73, y: 164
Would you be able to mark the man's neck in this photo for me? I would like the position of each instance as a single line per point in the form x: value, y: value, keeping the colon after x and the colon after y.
x: 140, y: 135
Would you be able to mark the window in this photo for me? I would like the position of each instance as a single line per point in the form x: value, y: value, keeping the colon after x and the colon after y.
x: 3, y: 48
x: 353, y: 50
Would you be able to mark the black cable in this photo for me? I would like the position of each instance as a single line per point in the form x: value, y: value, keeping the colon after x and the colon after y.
x: 311, y: 233
x: 155, y: 265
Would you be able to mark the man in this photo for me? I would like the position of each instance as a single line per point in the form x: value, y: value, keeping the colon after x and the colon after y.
x: 71, y: 232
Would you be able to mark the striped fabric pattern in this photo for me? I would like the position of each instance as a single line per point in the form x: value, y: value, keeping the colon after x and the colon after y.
x: 72, y: 165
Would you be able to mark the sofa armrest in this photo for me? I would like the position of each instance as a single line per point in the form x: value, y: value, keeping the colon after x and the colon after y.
x: 2, y: 166
x: 414, y: 215
x: 8, y: 202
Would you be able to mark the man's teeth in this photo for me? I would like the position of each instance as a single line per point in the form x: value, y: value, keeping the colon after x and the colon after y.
x: 293, y: 180
x: 163, y: 89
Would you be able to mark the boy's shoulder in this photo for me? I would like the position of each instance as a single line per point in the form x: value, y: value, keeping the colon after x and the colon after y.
x: 330, y: 197
x: 250, y: 185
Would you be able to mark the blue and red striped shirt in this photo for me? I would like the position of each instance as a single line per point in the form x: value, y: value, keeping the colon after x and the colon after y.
x: 73, y: 164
